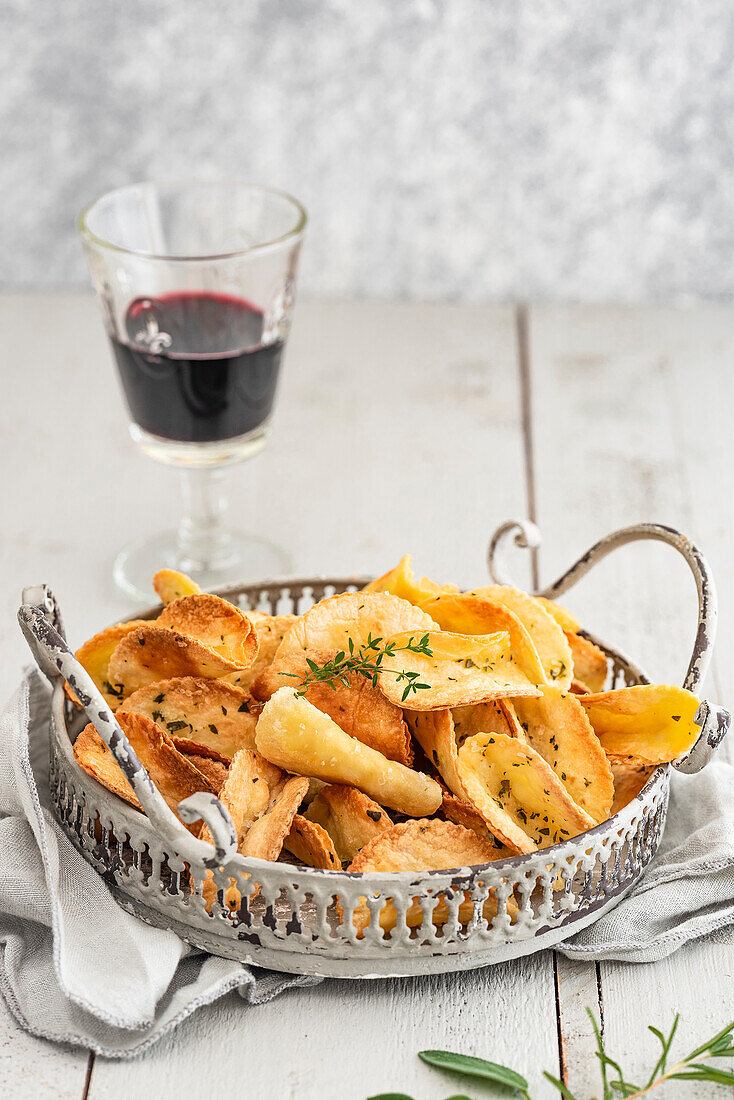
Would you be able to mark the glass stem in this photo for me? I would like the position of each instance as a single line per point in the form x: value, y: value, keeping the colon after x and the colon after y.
x: 204, y: 540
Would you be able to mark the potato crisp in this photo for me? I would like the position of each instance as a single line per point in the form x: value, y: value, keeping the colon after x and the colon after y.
x: 407, y: 727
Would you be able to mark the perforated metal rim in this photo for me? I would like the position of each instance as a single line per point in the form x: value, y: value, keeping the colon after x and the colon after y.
x: 628, y: 841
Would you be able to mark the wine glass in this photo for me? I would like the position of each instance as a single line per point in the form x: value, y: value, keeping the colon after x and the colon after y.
x: 196, y: 281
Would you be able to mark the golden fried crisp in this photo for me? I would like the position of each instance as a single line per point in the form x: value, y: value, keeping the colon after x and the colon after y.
x: 464, y: 813
x: 557, y: 727
x: 95, y: 655
x: 175, y: 776
x: 171, y: 585
x: 468, y: 613
x: 350, y: 818
x: 424, y: 845
x: 568, y: 623
x: 215, y: 771
x: 401, y: 582
x: 264, y: 840
x: 200, y: 709
x: 494, y: 716
x: 216, y: 623
x: 301, y: 739
x: 462, y: 669
x: 311, y: 844
x: 357, y: 707
x: 655, y: 722
x: 249, y: 791
x: 630, y: 776
x: 434, y: 732
x: 356, y: 616
x: 548, y: 637
x: 589, y: 662
x: 151, y: 653
x: 270, y: 631
x: 500, y: 689
x: 520, y: 797
x: 96, y: 759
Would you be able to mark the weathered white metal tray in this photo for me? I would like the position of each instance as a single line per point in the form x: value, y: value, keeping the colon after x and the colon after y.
x: 300, y: 919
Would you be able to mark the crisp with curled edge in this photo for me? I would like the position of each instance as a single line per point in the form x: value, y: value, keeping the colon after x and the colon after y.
x: 175, y: 776
x: 589, y: 662
x: 95, y: 656
x: 349, y: 817
x: 556, y: 726
x: 171, y: 585
x: 461, y: 669
x: 269, y: 631
x: 654, y: 722
x: 153, y: 653
x: 466, y: 613
x: 215, y: 623
x: 479, y: 715
x: 542, y: 626
x: 311, y: 844
x: 518, y: 793
x: 199, y: 709
x: 355, y: 617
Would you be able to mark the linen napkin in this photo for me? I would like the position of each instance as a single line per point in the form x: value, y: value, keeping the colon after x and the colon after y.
x: 688, y: 889
x: 75, y: 968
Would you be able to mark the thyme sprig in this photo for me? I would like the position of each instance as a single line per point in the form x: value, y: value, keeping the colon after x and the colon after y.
x: 614, y: 1084
x: 366, y: 660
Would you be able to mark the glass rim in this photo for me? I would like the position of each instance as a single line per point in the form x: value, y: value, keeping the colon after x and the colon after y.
x: 238, y: 253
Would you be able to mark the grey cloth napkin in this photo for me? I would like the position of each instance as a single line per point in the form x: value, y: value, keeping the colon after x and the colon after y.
x: 688, y: 889
x: 76, y: 968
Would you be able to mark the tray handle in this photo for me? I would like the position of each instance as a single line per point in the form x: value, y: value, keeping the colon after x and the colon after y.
x: 56, y: 661
x: 713, y: 719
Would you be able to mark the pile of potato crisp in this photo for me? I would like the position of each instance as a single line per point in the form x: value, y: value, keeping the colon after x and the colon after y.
x: 406, y: 727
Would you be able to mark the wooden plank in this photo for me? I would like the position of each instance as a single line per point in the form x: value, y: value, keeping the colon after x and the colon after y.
x: 32, y: 1069
x: 621, y: 404
x: 352, y: 1039
x: 398, y: 430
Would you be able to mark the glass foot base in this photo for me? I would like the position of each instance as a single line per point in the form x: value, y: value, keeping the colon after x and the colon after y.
x: 248, y: 558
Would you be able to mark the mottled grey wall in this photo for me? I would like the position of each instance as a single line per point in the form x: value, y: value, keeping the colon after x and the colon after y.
x: 445, y: 148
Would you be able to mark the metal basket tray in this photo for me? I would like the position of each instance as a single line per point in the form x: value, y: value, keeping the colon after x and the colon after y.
x: 301, y: 920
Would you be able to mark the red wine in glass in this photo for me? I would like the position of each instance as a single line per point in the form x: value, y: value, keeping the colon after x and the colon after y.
x: 195, y: 368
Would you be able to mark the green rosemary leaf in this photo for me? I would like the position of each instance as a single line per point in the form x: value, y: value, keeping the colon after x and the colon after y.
x: 390, y: 1096
x: 711, y: 1042
x: 474, y: 1067
x: 704, y: 1073
x: 600, y: 1055
x: 563, y: 1089
x: 665, y: 1043
x: 626, y: 1088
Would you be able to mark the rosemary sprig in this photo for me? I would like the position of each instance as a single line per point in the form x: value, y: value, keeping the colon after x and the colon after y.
x: 367, y: 661
x: 690, y: 1068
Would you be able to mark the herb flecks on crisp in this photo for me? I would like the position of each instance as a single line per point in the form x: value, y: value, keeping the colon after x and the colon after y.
x: 365, y: 661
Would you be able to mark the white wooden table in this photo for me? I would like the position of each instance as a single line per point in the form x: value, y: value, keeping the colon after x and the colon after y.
x: 402, y: 428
